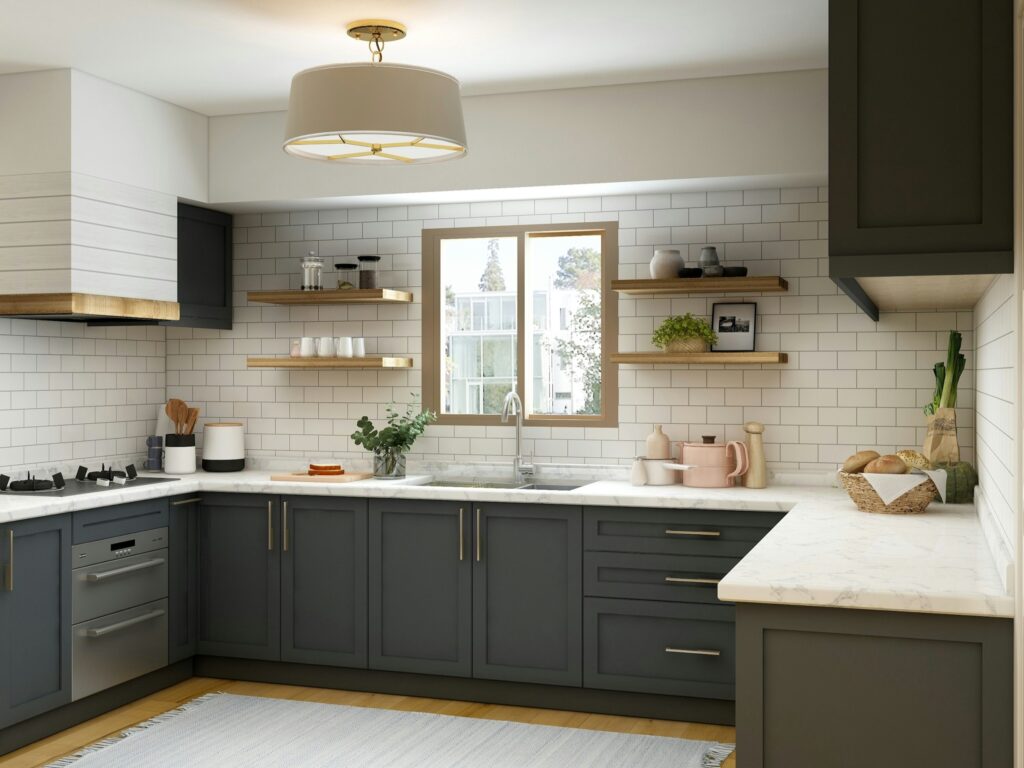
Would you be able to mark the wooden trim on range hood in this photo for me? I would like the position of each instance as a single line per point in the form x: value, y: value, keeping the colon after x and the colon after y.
x: 85, y: 306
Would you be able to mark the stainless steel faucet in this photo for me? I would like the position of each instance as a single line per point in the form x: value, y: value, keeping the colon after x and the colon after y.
x: 513, y: 406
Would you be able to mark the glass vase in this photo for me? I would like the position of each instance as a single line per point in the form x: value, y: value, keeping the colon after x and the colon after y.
x: 388, y: 465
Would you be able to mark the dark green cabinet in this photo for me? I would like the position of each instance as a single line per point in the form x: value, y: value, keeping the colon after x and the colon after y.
x: 183, y: 577
x: 35, y: 617
x: 527, y: 593
x: 204, y: 268
x: 920, y: 139
x: 240, y: 576
x: 420, y: 587
x: 323, y: 580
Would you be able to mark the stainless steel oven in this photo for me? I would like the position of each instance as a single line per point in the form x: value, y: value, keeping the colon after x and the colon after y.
x: 119, y: 610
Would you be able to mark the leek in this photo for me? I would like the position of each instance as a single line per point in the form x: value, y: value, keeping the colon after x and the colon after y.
x: 947, y: 375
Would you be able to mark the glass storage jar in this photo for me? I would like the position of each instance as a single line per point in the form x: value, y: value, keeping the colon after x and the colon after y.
x: 346, y: 275
x: 368, y: 271
x: 312, y: 272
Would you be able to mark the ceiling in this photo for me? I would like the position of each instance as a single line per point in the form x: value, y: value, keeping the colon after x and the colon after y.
x: 231, y: 56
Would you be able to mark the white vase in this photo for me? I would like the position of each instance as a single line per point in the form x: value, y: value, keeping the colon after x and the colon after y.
x: 666, y: 264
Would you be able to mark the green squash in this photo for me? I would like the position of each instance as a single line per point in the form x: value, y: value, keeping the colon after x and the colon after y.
x: 960, y: 481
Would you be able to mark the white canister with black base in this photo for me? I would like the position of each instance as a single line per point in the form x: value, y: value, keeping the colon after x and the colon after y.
x: 223, y: 446
x: 179, y: 454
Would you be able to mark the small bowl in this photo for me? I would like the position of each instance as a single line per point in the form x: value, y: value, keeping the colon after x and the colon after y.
x: 690, y: 272
x: 734, y: 271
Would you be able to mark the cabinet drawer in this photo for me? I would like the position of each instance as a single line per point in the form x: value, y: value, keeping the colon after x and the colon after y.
x: 708, y: 532
x: 678, y: 649
x: 104, y: 522
x: 678, y: 578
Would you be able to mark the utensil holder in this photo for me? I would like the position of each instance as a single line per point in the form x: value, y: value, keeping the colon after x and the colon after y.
x: 180, y: 454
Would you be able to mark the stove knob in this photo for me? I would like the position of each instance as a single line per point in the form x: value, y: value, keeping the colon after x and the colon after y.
x: 81, y: 473
x: 4, y: 480
x: 58, y: 481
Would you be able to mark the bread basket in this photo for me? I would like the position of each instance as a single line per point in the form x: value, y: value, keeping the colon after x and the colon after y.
x: 913, y: 502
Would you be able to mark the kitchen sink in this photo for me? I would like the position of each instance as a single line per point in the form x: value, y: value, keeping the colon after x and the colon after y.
x: 500, y: 485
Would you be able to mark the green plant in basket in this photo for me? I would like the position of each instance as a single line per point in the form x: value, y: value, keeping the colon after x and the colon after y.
x: 680, y: 328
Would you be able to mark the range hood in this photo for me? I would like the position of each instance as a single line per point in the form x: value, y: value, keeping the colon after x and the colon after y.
x: 85, y: 307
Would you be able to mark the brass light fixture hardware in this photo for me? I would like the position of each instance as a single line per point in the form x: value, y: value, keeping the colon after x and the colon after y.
x: 375, y: 113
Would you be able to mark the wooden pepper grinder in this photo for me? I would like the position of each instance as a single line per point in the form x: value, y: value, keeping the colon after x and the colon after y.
x: 757, y: 475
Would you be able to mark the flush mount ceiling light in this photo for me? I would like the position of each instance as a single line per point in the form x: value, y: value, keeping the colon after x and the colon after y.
x: 375, y: 113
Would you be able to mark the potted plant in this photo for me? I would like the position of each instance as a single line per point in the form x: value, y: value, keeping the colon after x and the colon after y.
x: 390, y: 444
x: 684, y: 334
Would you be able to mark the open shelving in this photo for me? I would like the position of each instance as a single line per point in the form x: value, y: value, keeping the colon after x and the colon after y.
x: 675, y: 358
x: 681, y: 286
x: 339, y: 296
x: 329, y: 363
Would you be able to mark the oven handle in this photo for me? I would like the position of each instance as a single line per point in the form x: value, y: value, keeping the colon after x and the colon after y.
x: 112, y: 628
x: 104, y: 575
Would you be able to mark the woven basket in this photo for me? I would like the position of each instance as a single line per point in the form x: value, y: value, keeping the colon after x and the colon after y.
x: 913, y: 502
x: 691, y: 344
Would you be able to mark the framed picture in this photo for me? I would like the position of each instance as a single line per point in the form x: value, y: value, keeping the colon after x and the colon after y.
x: 734, y: 324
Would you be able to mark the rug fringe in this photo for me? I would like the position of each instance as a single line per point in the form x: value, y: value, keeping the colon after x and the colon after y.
x: 138, y: 728
x: 716, y: 755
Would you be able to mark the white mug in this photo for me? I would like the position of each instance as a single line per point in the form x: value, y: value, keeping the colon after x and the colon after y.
x: 359, y: 347
x: 325, y: 346
x: 344, y: 346
x: 307, y: 346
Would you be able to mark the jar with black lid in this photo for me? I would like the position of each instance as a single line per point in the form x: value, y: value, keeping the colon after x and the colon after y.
x: 346, y: 275
x: 368, y: 271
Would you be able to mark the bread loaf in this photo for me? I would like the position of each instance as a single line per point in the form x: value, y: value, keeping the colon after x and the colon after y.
x: 859, y: 460
x: 886, y: 465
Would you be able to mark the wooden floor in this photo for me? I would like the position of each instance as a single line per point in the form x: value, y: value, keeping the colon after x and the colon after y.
x: 73, y: 739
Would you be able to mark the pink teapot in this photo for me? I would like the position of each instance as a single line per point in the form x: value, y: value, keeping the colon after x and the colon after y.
x: 714, y: 465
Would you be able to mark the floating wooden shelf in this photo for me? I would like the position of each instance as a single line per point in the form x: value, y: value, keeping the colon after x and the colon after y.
x: 344, y: 296
x: 675, y: 358
x: 679, y: 286
x: 329, y: 362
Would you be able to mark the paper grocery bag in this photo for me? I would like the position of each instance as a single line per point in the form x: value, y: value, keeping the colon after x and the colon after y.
x: 940, y: 445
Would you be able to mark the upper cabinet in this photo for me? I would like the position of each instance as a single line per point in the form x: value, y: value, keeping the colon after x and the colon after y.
x: 204, y: 268
x: 920, y: 149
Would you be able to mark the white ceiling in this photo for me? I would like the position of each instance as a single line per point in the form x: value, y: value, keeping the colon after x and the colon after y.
x: 231, y: 56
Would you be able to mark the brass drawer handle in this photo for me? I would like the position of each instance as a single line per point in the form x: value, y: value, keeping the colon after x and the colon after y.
x: 284, y: 524
x: 270, y: 526
x: 681, y: 580
x: 10, y: 560
x: 478, y: 534
x: 693, y: 651
x: 461, y: 553
x: 671, y: 532
x: 186, y: 501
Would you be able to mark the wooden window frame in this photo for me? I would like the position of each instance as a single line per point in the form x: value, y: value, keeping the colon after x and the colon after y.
x: 432, y: 334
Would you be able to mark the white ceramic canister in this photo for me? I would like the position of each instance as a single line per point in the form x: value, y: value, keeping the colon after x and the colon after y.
x: 666, y: 264
x: 179, y: 454
x: 658, y: 473
x: 223, y: 446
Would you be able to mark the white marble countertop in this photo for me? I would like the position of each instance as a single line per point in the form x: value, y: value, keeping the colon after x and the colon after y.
x: 827, y: 553
x: 823, y: 553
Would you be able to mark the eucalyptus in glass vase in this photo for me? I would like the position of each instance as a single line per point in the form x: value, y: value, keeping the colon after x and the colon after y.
x: 389, y: 444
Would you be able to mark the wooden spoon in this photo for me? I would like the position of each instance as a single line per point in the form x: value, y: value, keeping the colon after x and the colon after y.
x: 176, y: 410
x: 190, y: 423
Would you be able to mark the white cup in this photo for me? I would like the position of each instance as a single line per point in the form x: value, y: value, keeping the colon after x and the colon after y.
x: 307, y: 346
x: 359, y: 347
x: 325, y: 346
x: 344, y: 346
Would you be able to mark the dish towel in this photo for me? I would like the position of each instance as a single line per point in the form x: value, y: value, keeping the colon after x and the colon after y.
x: 891, y: 487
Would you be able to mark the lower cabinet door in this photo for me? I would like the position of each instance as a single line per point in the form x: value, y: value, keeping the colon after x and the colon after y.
x: 420, y: 587
x: 527, y: 592
x: 323, y: 580
x: 645, y: 646
x: 240, y: 576
x: 35, y: 617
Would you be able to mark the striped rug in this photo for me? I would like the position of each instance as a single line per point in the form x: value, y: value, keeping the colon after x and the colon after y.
x: 230, y: 731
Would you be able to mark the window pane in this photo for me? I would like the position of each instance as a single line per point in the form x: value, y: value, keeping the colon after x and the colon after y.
x: 478, y: 327
x: 563, y: 279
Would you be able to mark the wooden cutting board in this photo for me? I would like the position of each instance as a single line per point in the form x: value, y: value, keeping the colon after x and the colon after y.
x: 305, y: 477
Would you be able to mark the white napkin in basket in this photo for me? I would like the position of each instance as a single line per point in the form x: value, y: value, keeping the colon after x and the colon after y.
x: 891, y: 487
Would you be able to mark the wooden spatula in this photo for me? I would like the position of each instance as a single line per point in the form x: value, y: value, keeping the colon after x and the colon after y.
x: 190, y: 422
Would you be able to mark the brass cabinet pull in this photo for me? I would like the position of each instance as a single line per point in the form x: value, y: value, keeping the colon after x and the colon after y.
x: 478, y: 534
x: 461, y: 553
x: 693, y: 651
x: 284, y: 524
x: 186, y: 501
x: 681, y: 580
x: 670, y: 532
x: 270, y: 526
x: 10, y: 560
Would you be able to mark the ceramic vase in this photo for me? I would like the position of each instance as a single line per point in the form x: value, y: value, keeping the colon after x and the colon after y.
x: 666, y: 264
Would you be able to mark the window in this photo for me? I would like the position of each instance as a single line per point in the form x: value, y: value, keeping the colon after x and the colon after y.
x: 503, y: 300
